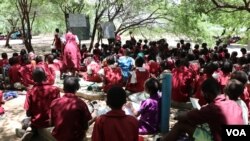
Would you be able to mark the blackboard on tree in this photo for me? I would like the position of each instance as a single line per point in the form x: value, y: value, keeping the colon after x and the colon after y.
x: 79, y: 25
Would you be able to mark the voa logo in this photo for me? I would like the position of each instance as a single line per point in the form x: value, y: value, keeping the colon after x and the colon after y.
x: 236, y: 132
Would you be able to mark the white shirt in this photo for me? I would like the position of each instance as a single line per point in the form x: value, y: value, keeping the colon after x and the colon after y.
x: 244, y: 110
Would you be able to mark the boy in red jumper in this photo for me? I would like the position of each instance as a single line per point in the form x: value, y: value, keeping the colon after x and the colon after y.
x: 138, y: 77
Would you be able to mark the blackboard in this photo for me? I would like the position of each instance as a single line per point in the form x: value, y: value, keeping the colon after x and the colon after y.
x: 79, y: 25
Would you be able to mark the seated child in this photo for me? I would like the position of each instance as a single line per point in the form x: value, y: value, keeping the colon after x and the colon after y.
x: 138, y: 77
x: 243, y: 78
x: 111, y: 74
x: 150, y: 109
x: 13, y: 71
x: 115, y: 125
x: 92, y: 72
x: 54, y: 68
x: 205, y: 124
x: 26, y: 72
x: 181, y: 83
x: 234, y: 89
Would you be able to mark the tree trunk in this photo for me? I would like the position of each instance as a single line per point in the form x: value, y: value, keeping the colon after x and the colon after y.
x: 8, y: 39
x: 66, y: 15
x: 93, y: 35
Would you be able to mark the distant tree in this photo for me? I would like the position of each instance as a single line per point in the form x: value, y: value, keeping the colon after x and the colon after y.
x: 24, y: 9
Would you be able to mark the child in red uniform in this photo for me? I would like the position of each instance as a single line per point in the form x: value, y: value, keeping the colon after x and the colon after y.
x: 219, y: 111
x: 243, y: 78
x: 37, y: 103
x: 181, y: 83
x: 115, y: 125
x: 13, y: 72
x: 54, y: 68
x: 57, y: 41
x: 153, y: 67
x: 4, y: 61
x: 50, y: 79
x: 92, y: 72
x: 26, y: 72
x: 69, y: 114
x: 111, y: 74
x: 224, y: 76
x: 205, y: 74
x: 97, y: 53
x: 138, y: 77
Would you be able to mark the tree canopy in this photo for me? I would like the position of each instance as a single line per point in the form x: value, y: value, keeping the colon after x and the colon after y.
x: 198, y: 20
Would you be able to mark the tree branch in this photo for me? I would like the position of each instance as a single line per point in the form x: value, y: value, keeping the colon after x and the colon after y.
x: 224, y: 5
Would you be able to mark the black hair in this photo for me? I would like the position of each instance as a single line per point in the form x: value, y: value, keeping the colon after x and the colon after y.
x: 4, y: 55
x: 234, y: 89
x: 11, y: 61
x: 242, y: 60
x: 240, y: 76
x: 71, y: 84
x: 227, y: 67
x: 204, y: 45
x: 182, y: 41
x: 110, y: 60
x: 152, y: 86
x: 15, y: 60
x: 25, y: 59
x: 50, y: 58
x: 38, y: 75
x: 211, y: 87
x: 39, y: 58
x: 139, y: 62
x: 57, y: 30
x: 116, y: 97
x: 23, y: 51
x: 197, y: 46
x: 243, y: 50
x: 210, y: 68
x: 15, y: 54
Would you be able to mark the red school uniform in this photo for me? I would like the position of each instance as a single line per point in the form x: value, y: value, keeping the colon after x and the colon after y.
x: 115, y: 126
x: 153, y: 68
x: 14, y: 74
x: 92, y: 72
x: 246, y: 98
x: 4, y: 62
x: 1, y: 102
x: 198, y: 93
x: 112, y: 76
x: 37, y: 103
x: 221, y: 111
x: 50, y: 79
x: 181, y: 78
x: 140, y: 76
x: 26, y: 75
x: 223, y: 79
x: 58, y: 43
x: 69, y: 114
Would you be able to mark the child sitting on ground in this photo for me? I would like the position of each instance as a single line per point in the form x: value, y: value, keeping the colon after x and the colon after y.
x: 115, y: 125
x: 138, y: 77
x: 234, y: 89
x: 205, y: 124
x: 150, y: 108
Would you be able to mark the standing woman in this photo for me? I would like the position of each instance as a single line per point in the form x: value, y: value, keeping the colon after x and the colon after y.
x: 71, y: 55
x: 57, y: 41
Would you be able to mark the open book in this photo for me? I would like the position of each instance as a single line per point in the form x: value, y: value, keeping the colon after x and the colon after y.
x: 195, y: 103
